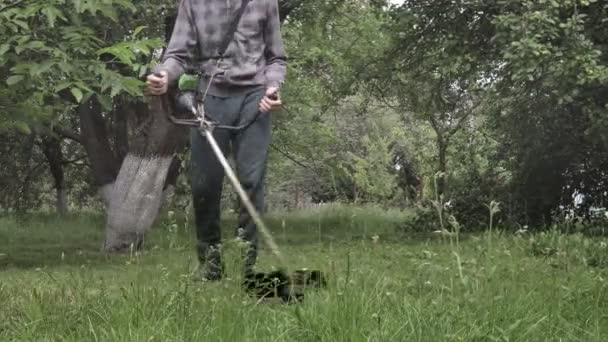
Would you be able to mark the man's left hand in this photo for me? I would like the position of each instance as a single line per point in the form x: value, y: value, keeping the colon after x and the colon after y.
x: 271, y: 102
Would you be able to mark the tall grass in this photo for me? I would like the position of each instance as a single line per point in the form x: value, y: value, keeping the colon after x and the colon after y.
x: 383, y: 287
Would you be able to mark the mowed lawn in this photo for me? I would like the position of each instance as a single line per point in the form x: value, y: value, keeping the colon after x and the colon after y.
x: 384, y: 284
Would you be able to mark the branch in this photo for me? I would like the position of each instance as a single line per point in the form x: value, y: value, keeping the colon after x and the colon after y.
x: 436, y: 128
x: 439, y: 99
x: 287, y: 6
x: 67, y: 134
x: 462, y: 119
x: 383, y: 97
x: 75, y: 160
x: 485, y: 134
x: 286, y: 155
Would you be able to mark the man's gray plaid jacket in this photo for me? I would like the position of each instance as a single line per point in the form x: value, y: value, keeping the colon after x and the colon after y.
x: 255, y: 57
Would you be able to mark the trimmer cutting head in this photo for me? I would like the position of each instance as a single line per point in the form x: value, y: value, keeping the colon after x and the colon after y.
x: 278, y: 284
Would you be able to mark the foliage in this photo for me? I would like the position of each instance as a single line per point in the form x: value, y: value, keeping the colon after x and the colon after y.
x: 57, y: 53
x: 55, y: 56
x: 20, y: 177
x: 318, y: 136
x: 26, y: 180
x: 507, y: 99
x: 513, y: 70
x: 424, y: 220
x: 369, y: 172
x: 553, y: 83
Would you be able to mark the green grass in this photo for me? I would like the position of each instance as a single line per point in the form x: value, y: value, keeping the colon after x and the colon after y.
x: 55, y: 285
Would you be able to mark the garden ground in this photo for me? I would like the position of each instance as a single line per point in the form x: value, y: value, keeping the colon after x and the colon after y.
x: 384, y: 284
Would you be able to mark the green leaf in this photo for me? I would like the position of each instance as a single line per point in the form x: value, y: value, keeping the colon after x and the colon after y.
x: 133, y: 86
x: 78, y: 6
x: 120, y: 52
x: 40, y: 68
x: 22, y: 127
x: 12, y: 80
x: 138, y: 30
x: 30, y: 10
x: 105, y: 101
x: 21, y: 24
x: 87, y: 97
x: 33, y: 45
x: 4, y: 48
x: 109, y: 12
x: 116, y: 89
x: 126, y: 4
x: 23, y: 39
x: 52, y: 13
x: 62, y: 86
x: 83, y: 86
x: 143, y: 70
x: 77, y: 94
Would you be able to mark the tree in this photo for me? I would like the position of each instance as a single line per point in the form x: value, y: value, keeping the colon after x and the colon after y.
x: 553, y: 80
x: 438, y: 68
x: 79, y: 57
x: 538, y: 71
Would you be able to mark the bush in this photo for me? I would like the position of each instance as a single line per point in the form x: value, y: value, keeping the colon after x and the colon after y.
x: 424, y: 220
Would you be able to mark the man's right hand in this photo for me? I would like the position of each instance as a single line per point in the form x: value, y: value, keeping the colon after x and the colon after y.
x: 158, y: 85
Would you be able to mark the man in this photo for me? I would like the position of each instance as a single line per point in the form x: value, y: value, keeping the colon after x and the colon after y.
x: 247, y: 81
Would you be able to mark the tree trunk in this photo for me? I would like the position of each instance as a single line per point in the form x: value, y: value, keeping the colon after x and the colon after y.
x: 441, y: 181
x: 29, y: 171
x: 297, y: 197
x: 120, y: 130
x: 51, y: 147
x: 94, y: 138
x: 137, y: 194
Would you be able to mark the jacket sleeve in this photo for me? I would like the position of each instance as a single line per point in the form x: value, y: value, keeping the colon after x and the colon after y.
x: 276, y: 66
x: 182, y: 44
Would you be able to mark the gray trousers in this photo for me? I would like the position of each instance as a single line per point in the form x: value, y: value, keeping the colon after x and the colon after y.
x: 250, y: 150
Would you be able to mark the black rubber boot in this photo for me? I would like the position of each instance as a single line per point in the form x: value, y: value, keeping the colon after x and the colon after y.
x: 211, y: 267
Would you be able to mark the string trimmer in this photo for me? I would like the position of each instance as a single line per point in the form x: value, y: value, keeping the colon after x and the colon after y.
x: 287, y: 286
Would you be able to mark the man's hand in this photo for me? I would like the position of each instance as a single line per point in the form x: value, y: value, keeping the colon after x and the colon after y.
x: 271, y: 101
x: 158, y: 85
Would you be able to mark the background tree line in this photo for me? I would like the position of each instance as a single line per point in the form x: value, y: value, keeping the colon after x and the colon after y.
x: 438, y: 102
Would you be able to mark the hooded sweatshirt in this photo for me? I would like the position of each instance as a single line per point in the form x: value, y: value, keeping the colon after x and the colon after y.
x: 254, y: 58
